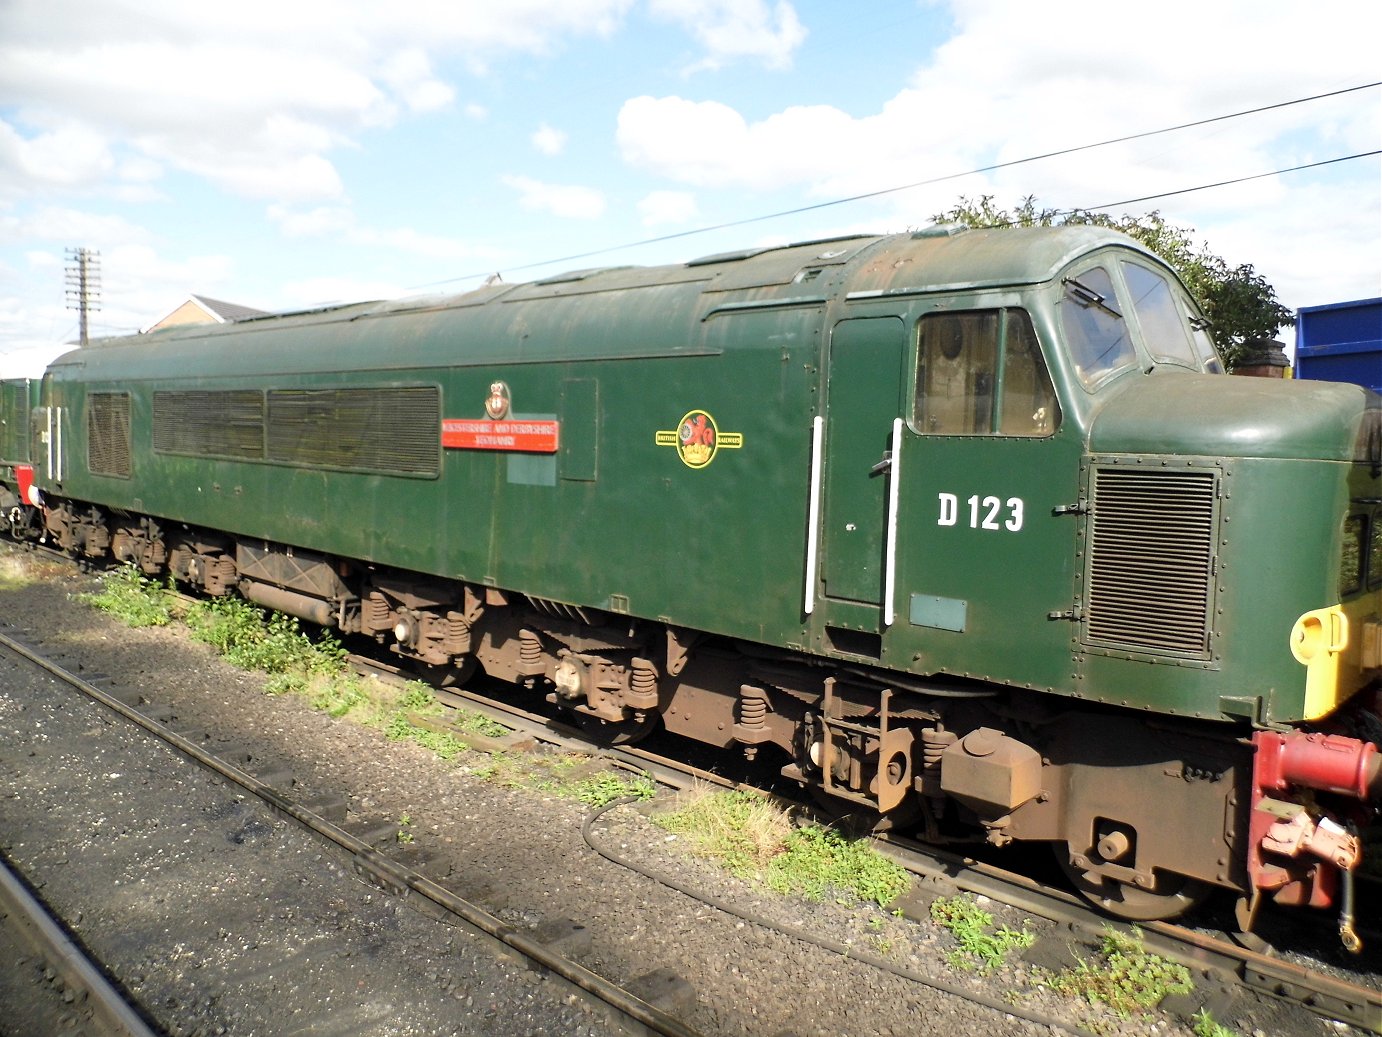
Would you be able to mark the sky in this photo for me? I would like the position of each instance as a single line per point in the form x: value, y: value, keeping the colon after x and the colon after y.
x: 287, y: 154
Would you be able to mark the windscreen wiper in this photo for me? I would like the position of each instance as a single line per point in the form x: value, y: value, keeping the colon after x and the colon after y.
x: 1087, y: 296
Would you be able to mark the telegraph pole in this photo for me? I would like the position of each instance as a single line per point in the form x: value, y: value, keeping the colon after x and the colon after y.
x: 83, y: 284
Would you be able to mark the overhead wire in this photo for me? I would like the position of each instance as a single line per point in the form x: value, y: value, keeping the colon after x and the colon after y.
x: 972, y: 172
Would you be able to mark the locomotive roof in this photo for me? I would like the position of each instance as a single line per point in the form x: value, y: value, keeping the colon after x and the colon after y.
x: 644, y: 308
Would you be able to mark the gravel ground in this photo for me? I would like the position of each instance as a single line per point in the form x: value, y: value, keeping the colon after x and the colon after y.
x: 220, y: 917
x: 520, y: 852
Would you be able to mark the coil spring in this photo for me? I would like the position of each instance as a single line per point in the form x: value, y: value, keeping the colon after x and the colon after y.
x: 934, y: 742
x: 529, y: 648
x: 643, y: 680
x: 375, y: 612
x: 753, y: 706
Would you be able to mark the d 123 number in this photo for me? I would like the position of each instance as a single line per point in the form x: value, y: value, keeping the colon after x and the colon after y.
x: 984, y: 512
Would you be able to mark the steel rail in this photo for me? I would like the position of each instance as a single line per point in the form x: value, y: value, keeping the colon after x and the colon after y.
x: 35, y: 925
x: 390, y: 873
x: 1325, y: 995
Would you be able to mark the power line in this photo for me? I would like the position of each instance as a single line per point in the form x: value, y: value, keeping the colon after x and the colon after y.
x: 1227, y: 183
x: 956, y: 176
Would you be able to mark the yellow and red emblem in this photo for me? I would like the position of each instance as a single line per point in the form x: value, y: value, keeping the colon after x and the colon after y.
x: 698, y: 439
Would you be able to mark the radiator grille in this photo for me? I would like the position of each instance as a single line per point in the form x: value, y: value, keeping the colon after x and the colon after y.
x: 390, y: 430
x: 1151, y: 560
x: 108, y: 433
x: 210, y: 424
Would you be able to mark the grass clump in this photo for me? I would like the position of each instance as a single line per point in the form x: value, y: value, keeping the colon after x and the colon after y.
x: 14, y: 573
x: 1128, y: 979
x: 1206, y: 1026
x: 272, y: 642
x: 743, y: 832
x: 568, y: 777
x: 981, y: 948
x: 399, y: 728
x: 602, y: 789
x: 755, y: 840
x: 417, y: 702
x: 472, y: 723
x: 131, y: 597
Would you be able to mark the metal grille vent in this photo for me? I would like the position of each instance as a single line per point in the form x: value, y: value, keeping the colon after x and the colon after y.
x: 393, y: 431
x: 1151, y: 560
x: 203, y: 423
x: 108, y: 433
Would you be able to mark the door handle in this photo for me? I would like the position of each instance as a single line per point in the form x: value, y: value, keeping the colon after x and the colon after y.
x: 883, y: 465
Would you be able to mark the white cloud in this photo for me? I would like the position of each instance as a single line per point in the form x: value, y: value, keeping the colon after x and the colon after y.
x: 314, y: 222
x: 566, y: 200
x: 549, y: 141
x: 339, y: 223
x: 63, y: 225
x: 660, y: 208
x: 66, y: 156
x: 734, y: 29
x: 325, y: 291
x: 97, y: 92
x: 409, y: 74
x: 1014, y: 81
x: 709, y: 144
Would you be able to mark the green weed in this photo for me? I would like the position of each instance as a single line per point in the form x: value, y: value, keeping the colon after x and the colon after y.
x: 473, y: 723
x: 131, y: 597
x: 755, y: 840
x: 418, y: 698
x: 816, y: 860
x: 603, y: 789
x: 251, y: 638
x: 399, y: 728
x: 337, y: 695
x: 1128, y: 979
x: 1205, y: 1026
x: 981, y: 947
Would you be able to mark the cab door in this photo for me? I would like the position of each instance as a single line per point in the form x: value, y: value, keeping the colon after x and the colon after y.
x: 989, y: 501
x: 867, y: 357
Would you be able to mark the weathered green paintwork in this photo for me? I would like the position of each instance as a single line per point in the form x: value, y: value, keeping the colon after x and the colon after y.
x: 764, y: 345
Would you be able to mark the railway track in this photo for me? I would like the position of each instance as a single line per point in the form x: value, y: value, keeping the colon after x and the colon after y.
x: 1224, y: 967
x: 79, y: 995
x: 1220, y: 966
x: 572, y: 991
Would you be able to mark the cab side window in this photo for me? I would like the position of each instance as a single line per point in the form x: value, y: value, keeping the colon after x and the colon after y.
x: 1164, y: 330
x: 982, y: 373
x: 1095, y: 331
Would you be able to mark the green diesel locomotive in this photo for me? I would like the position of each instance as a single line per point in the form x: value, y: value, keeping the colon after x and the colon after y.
x: 965, y: 528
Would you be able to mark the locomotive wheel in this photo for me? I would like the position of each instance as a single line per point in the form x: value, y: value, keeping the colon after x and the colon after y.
x: 606, y: 732
x: 1172, y: 896
x: 446, y: 675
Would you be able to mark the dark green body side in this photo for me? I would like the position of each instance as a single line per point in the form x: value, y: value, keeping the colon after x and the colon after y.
x: 765, y: 345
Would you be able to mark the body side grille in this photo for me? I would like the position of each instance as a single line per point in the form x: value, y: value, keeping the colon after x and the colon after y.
x: 108, y: 433
x: 1151, y: 560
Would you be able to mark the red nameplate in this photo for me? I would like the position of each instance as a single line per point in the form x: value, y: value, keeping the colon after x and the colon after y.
x: 528, y: 437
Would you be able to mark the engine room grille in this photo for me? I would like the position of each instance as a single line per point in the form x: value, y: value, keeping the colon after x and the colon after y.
x: 204, y: 423
x: 394, y: 431
x: 1151, y: 560
x: 108, y: 433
